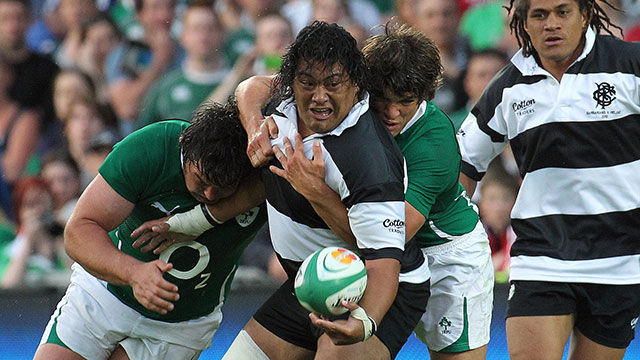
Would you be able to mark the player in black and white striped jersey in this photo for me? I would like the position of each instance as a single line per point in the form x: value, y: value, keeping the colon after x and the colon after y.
x: 569, y: 106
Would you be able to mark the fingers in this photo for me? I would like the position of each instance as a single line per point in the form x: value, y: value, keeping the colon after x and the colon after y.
x: 149, y: 226
x: 271, y: 127
x: 160, y: 228
x: 163, y: 246
x: 350, y: 305
x: 157, y: 241
x: 142, y: 239
x: 318, y: 159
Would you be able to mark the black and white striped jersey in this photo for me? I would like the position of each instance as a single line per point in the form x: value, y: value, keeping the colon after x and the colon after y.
x: 365, y: 167
x: 577, y: 145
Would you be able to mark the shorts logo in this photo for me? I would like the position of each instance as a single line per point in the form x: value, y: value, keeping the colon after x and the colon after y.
x: 512, y: 290
x: 605, y: 94
x: 634, y: 322
x: 444, y: 325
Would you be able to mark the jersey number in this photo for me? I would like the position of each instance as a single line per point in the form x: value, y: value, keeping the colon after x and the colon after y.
x: 203, y: 261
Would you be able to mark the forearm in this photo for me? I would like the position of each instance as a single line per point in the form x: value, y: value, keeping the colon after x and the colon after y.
x: 382, y: 286
x: 251, y: 95
x: 329, y: 206
x: 89, y: 244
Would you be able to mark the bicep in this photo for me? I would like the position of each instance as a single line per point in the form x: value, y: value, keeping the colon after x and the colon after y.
x: 101, y: 204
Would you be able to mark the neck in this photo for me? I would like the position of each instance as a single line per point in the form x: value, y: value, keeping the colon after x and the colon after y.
x: 558, y: 68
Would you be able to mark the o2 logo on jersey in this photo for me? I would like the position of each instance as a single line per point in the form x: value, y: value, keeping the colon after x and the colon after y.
x: 203, y: 261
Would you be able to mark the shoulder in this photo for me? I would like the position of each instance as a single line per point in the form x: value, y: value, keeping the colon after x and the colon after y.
x: 611, y: 55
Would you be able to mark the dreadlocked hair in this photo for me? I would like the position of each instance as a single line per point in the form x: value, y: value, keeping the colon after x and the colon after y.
x: 598, y: 20
x: 326, y: 45
x: 215, y: 143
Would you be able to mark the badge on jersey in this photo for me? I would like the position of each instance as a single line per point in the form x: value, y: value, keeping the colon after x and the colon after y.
x: 247, y: 218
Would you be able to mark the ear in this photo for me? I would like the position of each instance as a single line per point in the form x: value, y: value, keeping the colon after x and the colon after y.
x: 586, y: 19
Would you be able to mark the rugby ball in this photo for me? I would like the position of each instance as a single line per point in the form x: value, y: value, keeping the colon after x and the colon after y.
x: 329, y: 276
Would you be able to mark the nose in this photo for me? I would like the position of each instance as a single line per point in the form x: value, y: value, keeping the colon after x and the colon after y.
x: 391, y: 111
x: 319, y: 95
x: 551, y: 22
x: 209, y: 194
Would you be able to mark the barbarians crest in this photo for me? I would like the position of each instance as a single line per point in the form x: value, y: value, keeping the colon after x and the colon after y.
x: 605, y: 94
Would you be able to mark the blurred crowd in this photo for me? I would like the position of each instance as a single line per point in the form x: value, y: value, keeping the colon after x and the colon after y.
x: 78, y: 75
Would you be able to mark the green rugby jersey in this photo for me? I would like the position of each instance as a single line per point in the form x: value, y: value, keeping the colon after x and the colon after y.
x: 145, y: 168
x: 431, y: 151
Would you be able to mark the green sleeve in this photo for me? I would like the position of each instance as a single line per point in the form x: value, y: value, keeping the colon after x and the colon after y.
x: 128, y: 166
x: 431, y: 170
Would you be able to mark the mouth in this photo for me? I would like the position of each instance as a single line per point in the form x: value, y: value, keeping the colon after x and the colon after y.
x: 321, y: 113
x: 552, y: 40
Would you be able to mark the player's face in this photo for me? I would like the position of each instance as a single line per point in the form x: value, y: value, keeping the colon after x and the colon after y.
x: 556, y: 29
x: 396, y: 111
x: 201, y: 188
x: 324, y: 96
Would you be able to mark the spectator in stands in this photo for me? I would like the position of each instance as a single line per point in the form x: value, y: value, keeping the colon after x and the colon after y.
x: 178, y: 94
x: 134, y: 65
x: 86, y: 119
x: 99, y: 147
x: 273, y: 35
x: 19, y: 135
x: 45, y: 33
x: 100, y: 36
x: 37, y: 251
x: 498, y: 195
x: 482, y: 67
x: 33, y: 73
x: 438, y: 20
x: 338, y: 11
x: 74, y: 14
x: 62, y: 175
x: 300, y: 13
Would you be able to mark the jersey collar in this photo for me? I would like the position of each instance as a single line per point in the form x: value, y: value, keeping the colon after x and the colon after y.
x: 421, y: 110
x: 528, y: 65
x: 290, y: 116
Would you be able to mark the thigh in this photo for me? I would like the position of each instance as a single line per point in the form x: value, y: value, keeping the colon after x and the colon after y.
x: 458, y: 317
x: 538, y: 337
x: 540, y: 318
x: 372, y: 349
x: 154, y: 349
x: 274, y: 347
x: 607, y: 314
x: 583, y: 348
x: 50, y: 351
x: 403, y: 315
x: 283, y: 316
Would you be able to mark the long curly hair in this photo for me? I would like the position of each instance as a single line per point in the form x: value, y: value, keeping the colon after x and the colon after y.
x: 325, y: 44
x: 598, y: 19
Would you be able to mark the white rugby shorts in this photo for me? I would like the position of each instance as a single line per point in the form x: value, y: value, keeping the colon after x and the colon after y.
x: 458, y: 316
x: 91, y: 321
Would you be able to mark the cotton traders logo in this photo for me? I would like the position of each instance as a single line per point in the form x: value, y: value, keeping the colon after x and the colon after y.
x: 396, y: 225
x: 605, y: 94
x: 524, y: 107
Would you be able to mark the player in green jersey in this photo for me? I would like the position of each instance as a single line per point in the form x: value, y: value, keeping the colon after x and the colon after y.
x: 405, y: 70
x: 127, y: 303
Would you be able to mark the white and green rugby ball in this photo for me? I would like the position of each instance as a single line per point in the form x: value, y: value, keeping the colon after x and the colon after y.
x: 329, y: 276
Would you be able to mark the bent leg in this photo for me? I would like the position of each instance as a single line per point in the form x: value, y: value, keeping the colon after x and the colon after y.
x: 538, y: 337
x: 48, y: 351
x: 475, y: 354
x: 256, y: 342
x: 583, y: 348
x: 372, y: 349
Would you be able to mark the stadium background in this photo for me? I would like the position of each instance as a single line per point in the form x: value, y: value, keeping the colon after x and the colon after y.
x: 24, y: 314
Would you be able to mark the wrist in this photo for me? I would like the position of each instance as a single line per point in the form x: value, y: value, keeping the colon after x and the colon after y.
x: 369, y: 324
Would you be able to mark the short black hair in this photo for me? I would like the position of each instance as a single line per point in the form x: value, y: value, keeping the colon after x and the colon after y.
x: 403, y: 61
x: 326, y: 44
x: 216, y: 142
